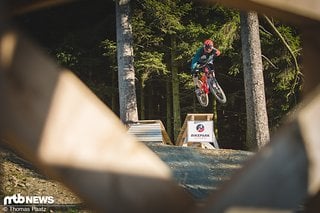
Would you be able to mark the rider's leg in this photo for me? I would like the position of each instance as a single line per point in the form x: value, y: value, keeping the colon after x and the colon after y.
x: 195, y: 79
x: 212, y: 70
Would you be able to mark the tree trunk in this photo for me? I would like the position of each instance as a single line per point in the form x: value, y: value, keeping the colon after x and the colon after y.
x: 151, y: 105
x: 175, y: 90
x: 114, y: 95
x: 142, y: 99
x: 126, y: 75
x: 257, y: 119
x: 169, y: 111
x: 215, y: 117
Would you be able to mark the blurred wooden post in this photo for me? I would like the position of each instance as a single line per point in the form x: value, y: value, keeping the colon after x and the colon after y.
x: 298, y: 145
x: 303, y: 14
x: 284, y: 174
x: 311, y: 56
x: 41, y: 107
x: 51, y: 118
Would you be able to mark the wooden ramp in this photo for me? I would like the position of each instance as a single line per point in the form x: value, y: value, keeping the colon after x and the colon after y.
x: 182, y: 137
x: 150, y: 131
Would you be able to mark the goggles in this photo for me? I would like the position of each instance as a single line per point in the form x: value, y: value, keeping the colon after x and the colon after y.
x: 208, y: 47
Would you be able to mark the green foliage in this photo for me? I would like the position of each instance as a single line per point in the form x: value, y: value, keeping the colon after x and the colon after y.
x: 154, y: 21
x: 66, y: 59
x: 228, y: 34
x: 110, y: 48
x: 166, y: 14
x: 143, y: 32
x: 149, y: 63
x: 91, y: 53
x: 280, y: 72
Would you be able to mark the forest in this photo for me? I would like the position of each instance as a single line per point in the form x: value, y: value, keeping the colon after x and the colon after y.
x: 82, y: 37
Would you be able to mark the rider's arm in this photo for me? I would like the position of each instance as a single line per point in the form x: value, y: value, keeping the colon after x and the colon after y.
x: 196, y: 58
x: 216, y: 52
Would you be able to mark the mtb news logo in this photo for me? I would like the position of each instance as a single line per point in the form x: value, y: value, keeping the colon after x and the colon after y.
x: 18, y: 199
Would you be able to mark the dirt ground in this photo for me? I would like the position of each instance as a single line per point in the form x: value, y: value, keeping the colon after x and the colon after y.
x: 200, y: 173
x: 20, y: 177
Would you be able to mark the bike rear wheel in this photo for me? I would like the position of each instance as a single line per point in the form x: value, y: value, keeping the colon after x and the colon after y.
x: 217, y: 91
x: 202, y: 97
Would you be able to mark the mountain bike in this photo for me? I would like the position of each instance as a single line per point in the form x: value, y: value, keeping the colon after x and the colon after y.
x: 207, y: 82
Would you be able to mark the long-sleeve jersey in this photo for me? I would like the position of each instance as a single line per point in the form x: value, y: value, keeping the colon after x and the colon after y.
x: 200, y: 52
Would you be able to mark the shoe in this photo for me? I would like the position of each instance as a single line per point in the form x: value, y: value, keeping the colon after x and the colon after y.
x: 198, y: 91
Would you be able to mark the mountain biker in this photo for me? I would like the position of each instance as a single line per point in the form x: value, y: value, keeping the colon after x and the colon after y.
x: 203, y: 54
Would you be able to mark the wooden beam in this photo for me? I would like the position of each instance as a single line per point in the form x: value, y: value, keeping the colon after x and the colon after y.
x: 311, y: 55
x: 304, y: 14
x: 295, y: 11
x: 275, y: 179
x: 58, y: 124
x: 22, y: 7
x: 309, y: 121
x: 165, y: 136
x: 284, y: 174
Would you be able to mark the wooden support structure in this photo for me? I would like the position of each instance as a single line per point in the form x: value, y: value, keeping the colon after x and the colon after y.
x: 284, y: 174
x: 298, y: 143
x: 31, y: 6
x: 190, y: 117
x: 51, y: 118
x: 150, y: 131
x: 182, y: 137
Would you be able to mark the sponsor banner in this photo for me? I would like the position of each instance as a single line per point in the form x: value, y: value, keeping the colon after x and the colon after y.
x: 200, y: 131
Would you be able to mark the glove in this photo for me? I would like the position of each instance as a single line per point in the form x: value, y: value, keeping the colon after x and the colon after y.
x: 218, y: 52
x: 195, y: 68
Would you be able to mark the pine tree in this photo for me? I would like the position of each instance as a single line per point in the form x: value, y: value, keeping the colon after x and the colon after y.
x: 126, y: 74
x: 257, y: 120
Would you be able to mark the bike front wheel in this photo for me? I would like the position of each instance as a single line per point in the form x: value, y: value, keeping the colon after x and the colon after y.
x: 217, y: 91
x: 202, y: 96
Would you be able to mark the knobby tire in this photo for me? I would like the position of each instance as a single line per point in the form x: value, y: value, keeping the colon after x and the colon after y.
x: 217, y: 91
x: 202, y: 97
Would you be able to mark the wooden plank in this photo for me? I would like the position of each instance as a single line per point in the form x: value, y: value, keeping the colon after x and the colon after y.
x: 56, y: 122
x: 153, y: 130
x: 304, y: 13
x: 182, y: 134
x: 146, y: 132
x: 284, y: 174
x: 165, y: 136
x: 31, y: 6
x: 275, y: 179
x: 309, y: 121
x: 311, y: 62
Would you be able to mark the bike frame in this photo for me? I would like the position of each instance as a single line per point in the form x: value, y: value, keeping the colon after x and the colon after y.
x: 209, y: 85
x: 204, y: 79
